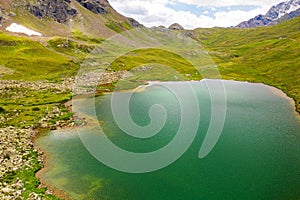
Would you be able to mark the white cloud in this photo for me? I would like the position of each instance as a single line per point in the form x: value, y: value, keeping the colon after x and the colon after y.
x: 137, y: 10
x: 156, y: 12
x: 234, y: 17
x: 230, y: 2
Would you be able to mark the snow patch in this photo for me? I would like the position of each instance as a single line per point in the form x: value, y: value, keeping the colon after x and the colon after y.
x: 16, y: 28
x: 292, y: 6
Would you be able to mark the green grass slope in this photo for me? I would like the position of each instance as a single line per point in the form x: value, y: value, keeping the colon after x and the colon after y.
x: 270, y: 55
x: 29, y: 60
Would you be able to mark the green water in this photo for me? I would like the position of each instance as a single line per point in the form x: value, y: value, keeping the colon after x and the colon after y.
x: 256, y: 157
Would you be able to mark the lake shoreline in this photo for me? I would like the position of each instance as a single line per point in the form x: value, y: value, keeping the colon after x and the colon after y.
x: 47, y: 157
x: 282, y: 94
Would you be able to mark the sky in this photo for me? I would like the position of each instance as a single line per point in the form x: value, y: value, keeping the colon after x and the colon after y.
x: 192, y: 13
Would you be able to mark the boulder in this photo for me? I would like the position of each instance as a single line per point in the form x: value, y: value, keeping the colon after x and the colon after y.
x: 176, y: 26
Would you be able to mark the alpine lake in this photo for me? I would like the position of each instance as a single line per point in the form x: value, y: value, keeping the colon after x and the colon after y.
x: 255, y: 157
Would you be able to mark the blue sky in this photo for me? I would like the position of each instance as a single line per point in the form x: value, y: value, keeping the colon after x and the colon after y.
x: 209, y: 10
x: 192, y: 13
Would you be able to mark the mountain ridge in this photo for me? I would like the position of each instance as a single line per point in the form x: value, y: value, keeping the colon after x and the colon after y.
x: 278, y: 13
x: 62, y: 17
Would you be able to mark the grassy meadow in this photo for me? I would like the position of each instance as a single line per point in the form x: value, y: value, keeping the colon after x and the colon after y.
x: 269, y: 55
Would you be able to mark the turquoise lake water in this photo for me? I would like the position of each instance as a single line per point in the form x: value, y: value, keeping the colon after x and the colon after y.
x: 256, y: 156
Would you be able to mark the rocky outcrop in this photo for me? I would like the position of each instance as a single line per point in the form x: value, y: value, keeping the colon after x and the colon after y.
x: 2, y: 15
x: 190, y: 34
x: 135, y: 23
x: 59, y: 10
x: 161, y: 29
x: 96, y: 6
x: 176, y: 26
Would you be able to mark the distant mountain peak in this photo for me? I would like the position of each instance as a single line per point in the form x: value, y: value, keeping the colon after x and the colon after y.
x: 278, y: 11
x: 282, y: 11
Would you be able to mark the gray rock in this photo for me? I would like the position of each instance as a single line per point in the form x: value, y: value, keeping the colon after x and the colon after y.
x: 7, y: 190
x: 161, y: 29
x: 176, y: 26
x: 96, y: 6
x: 135, y: 23
x: 12, y: 14
x: 59, y: 10
x: 2, y: 15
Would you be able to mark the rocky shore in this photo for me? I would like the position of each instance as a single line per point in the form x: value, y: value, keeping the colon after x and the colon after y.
x: 17, y: 150
x: 16, y: 147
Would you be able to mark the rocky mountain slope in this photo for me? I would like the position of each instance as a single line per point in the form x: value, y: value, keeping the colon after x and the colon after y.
x: 62, y: 17
x: 281, y: 12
